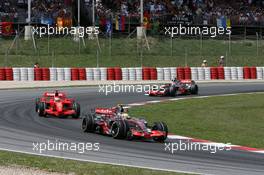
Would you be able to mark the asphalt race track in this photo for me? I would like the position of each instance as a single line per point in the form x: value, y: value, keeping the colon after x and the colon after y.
x: 20, y: 126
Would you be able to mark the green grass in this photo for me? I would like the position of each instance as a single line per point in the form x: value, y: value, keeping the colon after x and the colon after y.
x: 70, y: 166
x: 234, y: 119
x: 63, y: 52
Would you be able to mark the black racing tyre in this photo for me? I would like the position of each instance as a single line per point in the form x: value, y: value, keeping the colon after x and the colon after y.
x: 167, y: 91
x: 119, y: 129
x: 37, y: 101
x: 194, y: 89
x: 77, y: 108
x: 88, y: 124
x: 41, y: 109
x: 160, y: 126
x: 173, y: 91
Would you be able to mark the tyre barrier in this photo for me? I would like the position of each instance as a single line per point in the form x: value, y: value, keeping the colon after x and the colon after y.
x: 45, y: 74
x: 67, y: 74
x: 234, y: 75
x: 24, y: 74
x: 259, y: 73
x: 253, y: 73
x: 118, y: 73
x: 247, y: 74
x: 138, y: 73
x: 60, y: 74
x: 82, y: 74
x: 103, y: 73
x: 74, y: 74
x: 153, y: 74
x: 110, y: 73
x: 31, y: 74
x: 214, y: 73
x: 89, y: 74
x: 9, y: 74
x: 2, y: 74
x: 132, y: 74
x: 227, y: 73
x: 96, y: 74
x: 53, y: 74
x: 221, y: 73
x: 194, y: 71
x: 16, y: 74
x: 187, y: 73
x: 146, y: 73
x: 173, y: 73
x: 167, y: 73
x: 38, y: 74
x: 207, y: 73
x: 240, y: 73
x: 125, y: 74
x: 201, y: 73
x: 180, y: 73
x: 160, y: 73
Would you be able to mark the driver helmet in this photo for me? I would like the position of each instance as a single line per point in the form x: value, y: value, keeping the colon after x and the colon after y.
x: 57, y: 99
x: 126, y: 116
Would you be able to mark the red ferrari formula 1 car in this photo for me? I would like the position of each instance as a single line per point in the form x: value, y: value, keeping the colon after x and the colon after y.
x: 176, y: 87
x: 121, y: 126
x: 58, y: 105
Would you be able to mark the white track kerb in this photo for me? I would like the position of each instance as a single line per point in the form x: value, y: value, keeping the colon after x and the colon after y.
x: 200, y: 141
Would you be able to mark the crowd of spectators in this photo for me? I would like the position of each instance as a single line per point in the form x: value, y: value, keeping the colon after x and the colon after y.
x: 240, y: 12
x: 49, y: 9
x: 8, y: 10
x: 132, y: 7
x: 39, y: 8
